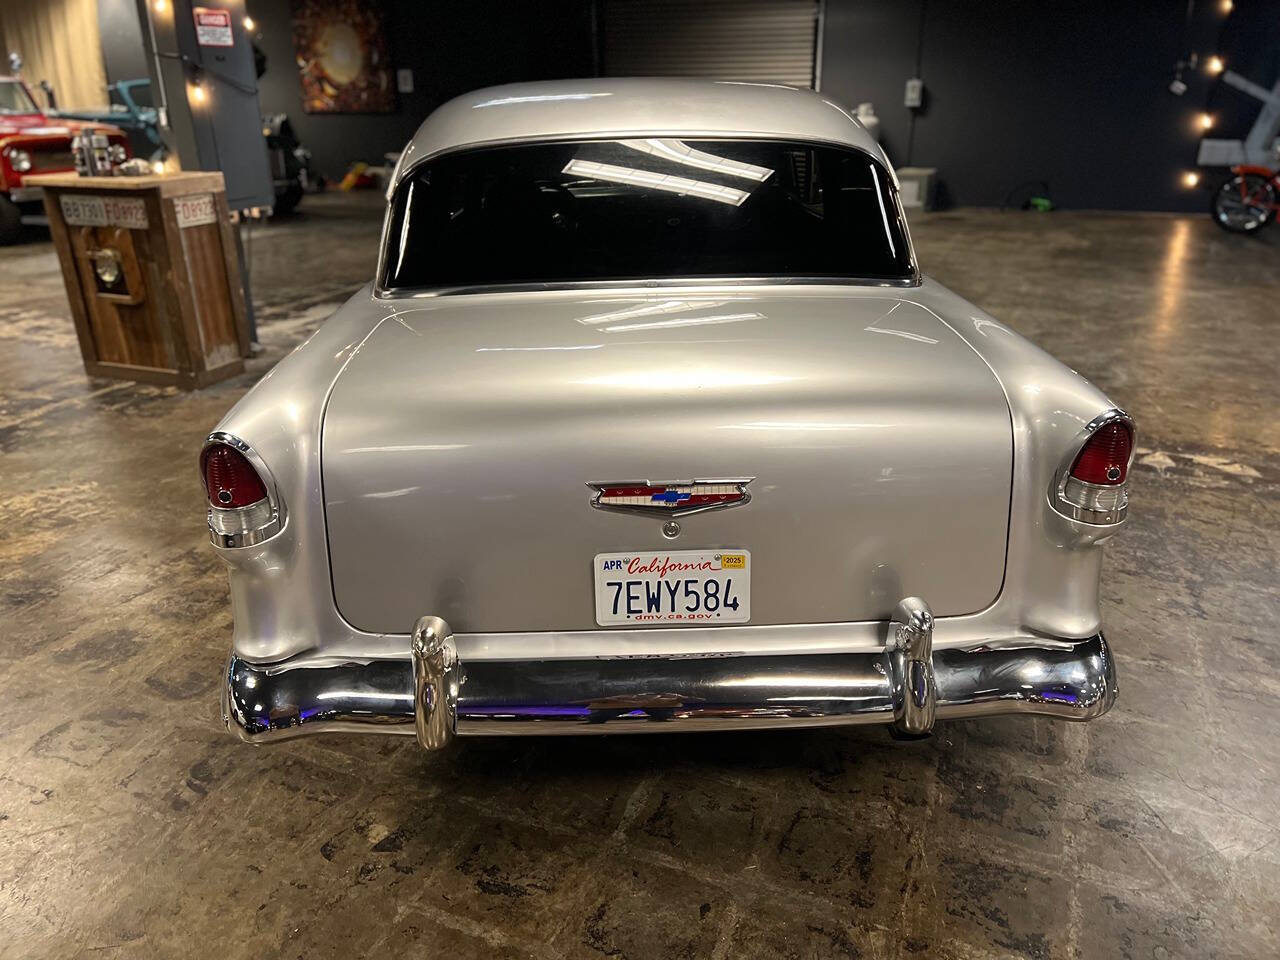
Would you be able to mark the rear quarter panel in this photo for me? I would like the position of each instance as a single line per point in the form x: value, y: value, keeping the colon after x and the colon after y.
x: 1054, y: 564
x: 280, y: 589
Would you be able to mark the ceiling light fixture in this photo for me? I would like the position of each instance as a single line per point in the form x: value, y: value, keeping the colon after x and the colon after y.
x: 678, y: 151
x: 610, y: 173
x: 684, y: 322
x: 649, y: 309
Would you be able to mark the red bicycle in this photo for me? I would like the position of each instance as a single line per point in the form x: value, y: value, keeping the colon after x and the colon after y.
x: 1248, y: 200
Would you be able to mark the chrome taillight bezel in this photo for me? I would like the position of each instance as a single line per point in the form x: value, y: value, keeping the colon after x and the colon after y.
x: 1079, y: 501
x: 250, y: 525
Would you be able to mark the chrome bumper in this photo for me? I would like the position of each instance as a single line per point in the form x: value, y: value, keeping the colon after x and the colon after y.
x: 434, y: 695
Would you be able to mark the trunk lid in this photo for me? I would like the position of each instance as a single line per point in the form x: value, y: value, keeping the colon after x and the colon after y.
x: 459, y: 440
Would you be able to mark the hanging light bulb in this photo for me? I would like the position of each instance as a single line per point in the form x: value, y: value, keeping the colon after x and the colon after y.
x: 249, y: 25
x: 160, y: 6
x: 1190, y: 179
x: 1206, y: 121
x: 1215, y: 64
x: 1225, y: 6
x: 198, y: 94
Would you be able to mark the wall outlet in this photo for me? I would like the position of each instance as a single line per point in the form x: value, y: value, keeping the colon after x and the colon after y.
x: 914, y: 97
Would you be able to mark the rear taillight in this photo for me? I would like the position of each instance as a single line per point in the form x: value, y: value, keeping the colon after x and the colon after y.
x: 1091, y: 486
x: 1104, y: 459
x: 229, y: 478
x: 243, y: 509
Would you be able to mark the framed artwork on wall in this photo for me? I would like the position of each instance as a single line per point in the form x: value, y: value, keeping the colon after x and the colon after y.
x: 344, y: 64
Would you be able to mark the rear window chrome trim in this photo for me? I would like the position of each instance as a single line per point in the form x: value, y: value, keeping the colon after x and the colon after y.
x: 423, y: 293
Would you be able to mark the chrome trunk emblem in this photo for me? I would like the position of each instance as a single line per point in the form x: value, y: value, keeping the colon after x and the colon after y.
x: 677, y: 498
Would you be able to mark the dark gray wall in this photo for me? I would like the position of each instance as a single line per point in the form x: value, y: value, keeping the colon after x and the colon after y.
x: 1073, y: 94
x: 452, y: 46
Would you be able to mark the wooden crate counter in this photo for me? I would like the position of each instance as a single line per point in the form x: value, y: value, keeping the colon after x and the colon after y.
x: 151, y: 272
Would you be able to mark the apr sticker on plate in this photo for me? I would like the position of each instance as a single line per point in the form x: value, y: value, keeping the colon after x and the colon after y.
x: 682, y: 587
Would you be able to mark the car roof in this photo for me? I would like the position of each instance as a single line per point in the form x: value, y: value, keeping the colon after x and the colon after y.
x: 633, y: 107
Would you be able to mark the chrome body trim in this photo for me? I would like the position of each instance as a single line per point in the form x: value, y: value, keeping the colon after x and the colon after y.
x: 1058, y: 499
x: 221, y: 519
x: 648, y: 284
x: 1068, y: 680
x: 243, y: 526
x: 250, y: 538
x: 660, y: 511
x: 26, y: 194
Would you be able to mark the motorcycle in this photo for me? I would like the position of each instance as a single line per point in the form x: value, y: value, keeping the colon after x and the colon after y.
x: 1247, y: 200
x: 291, y: 169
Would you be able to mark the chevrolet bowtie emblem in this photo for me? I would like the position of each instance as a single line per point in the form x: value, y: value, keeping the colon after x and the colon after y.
x: 678, y: 498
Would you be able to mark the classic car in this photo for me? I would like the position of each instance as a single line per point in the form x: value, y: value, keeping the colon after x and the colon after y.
x: 32, y: 143
x: 649, y: 421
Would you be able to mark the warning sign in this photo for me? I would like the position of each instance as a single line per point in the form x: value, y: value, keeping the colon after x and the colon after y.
x: 213, y: 27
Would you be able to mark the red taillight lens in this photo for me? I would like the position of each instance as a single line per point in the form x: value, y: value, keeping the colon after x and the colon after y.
x: 1104, y: 459
x: 229, y: 478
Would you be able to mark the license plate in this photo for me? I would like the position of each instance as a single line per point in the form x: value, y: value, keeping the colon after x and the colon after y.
x: 682, y: 587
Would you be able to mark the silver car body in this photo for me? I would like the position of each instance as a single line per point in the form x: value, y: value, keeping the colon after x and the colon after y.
x: 427, y: 455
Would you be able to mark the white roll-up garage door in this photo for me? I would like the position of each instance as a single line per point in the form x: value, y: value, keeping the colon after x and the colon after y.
x: 763, y: 41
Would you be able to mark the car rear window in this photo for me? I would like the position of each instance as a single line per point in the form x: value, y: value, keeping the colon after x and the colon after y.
x: 652, y: 208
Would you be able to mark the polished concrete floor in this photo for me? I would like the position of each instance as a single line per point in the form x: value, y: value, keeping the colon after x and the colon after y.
x: 132, y: 825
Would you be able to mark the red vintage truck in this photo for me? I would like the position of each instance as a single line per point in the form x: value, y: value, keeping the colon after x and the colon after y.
x: 31, y: 143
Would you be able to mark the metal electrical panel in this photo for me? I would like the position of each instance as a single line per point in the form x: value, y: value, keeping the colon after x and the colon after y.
x: 201, y: 63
